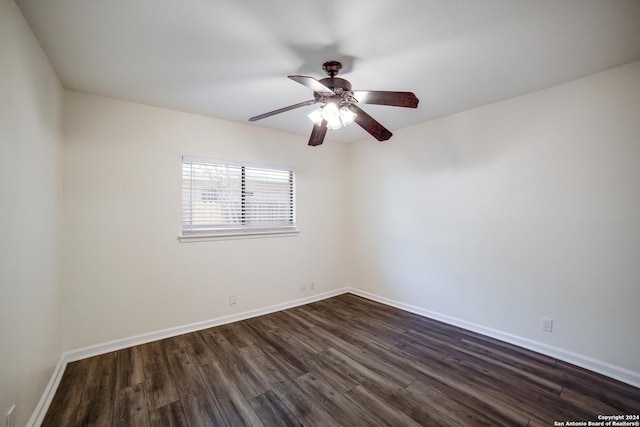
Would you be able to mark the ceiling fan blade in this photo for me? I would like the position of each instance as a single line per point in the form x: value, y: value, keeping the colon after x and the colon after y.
x: 395, y: 99
x: 318, y: 133
x: 282, y: 110
x: 370, y: 124
x: 313, y: 84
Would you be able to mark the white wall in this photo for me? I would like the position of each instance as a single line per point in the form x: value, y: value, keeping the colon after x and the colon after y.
x: 30, y: 154
x: 495, y: 216
x: 123, y: 270
x: 525, y: 208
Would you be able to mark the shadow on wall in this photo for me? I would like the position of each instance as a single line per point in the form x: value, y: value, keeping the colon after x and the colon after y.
x: 464, y: 141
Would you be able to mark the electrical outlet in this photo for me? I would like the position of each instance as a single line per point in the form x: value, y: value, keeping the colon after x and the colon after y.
x: 232, y: 299
x: 312, y: 285
x: 546, y: 324
x: 303, y: 286
x: 11, y: 419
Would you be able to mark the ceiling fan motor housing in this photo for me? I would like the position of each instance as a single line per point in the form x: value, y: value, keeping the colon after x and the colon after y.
x: 334, y: 83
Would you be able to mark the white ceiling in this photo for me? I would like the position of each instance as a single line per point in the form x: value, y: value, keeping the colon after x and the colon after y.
x: 230, y: 58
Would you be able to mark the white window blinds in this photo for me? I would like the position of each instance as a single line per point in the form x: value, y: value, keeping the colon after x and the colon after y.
x: 223, y: 198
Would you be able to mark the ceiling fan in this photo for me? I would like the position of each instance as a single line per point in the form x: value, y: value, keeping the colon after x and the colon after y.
x: 340, y: 104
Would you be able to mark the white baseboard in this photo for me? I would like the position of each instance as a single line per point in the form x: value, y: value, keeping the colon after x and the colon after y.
x: 612, y: 371
x: 41, y: 409
x: 82, y: 353
x: 604, y: 368
x: 94, y: 350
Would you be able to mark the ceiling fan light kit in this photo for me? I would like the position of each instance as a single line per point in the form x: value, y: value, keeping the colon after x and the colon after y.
x: 340, y: 104
x: 335, y: 117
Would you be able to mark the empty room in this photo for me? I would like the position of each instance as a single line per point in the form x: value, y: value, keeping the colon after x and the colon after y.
x: 363, y: 213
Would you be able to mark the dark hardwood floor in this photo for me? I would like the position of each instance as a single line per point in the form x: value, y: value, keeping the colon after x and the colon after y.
x: 342, y: 361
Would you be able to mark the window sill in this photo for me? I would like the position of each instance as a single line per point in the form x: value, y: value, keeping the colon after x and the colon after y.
x: 235, y: 235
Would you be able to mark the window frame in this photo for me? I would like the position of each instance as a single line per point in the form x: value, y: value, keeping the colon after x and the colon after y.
x: 242, y: 231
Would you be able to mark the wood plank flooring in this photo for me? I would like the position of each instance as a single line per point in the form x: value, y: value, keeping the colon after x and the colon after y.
x: 341, y: 361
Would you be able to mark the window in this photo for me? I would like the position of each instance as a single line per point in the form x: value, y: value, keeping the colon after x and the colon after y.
x: 228, y: 199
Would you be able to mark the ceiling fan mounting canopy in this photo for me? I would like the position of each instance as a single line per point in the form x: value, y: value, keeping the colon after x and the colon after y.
x: 338, y: 91
x: 332, y: 68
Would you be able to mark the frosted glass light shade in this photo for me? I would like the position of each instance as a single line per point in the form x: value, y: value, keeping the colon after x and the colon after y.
x: 334, y: 123
x: 316, y: 116
x: 330, y: 111
x: 347, y: 116
x: 334, y: 116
